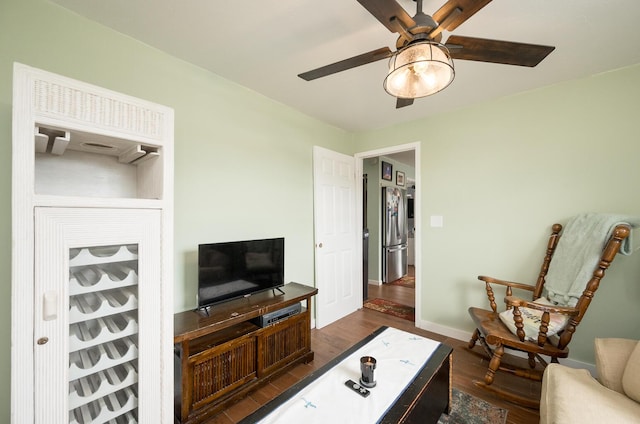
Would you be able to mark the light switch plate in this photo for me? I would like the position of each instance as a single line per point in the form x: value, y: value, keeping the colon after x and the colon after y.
x: 437, y: 221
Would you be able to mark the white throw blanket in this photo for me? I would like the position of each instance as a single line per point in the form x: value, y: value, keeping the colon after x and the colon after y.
x: 578, y: 253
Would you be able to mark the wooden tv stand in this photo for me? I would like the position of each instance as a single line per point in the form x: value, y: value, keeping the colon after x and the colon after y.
x: 222, y: 356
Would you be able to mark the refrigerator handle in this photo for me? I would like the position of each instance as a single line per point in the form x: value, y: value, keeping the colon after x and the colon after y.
x: 395, y: 249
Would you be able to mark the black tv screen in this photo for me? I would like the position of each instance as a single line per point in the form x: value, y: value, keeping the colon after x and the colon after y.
x: 238, y: 268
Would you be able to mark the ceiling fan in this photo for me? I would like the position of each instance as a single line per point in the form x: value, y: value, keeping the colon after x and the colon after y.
x: 421, y: 60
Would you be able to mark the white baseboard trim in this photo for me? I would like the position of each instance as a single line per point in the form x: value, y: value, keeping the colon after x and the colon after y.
x: 444, y: 330
x: 466, y: 336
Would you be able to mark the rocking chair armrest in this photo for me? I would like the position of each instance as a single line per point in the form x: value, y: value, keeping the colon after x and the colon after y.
x: 508, y: 284
x: 552, y: 309
x: 512, y: 284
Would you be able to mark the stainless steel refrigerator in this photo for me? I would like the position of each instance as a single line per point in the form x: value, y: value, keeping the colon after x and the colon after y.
x: 394, y: 234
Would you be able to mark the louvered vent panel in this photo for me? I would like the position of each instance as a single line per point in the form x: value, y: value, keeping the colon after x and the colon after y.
x: 98, y: 110
x: 224, y: 370
x: 285, y: 343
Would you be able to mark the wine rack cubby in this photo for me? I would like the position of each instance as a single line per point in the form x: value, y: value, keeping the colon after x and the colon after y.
x: 103, y: 328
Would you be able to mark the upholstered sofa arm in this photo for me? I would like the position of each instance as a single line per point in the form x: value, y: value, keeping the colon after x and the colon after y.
x: 573, y: 396
x: 611, y: 359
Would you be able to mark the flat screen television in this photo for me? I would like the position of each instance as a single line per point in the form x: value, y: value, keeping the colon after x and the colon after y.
x: 238, y: 268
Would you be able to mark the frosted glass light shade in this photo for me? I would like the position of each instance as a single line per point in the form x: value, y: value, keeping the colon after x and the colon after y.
x: 419, y: 70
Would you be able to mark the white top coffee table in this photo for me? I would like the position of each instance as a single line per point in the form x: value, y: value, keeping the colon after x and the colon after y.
x: 412, y: 376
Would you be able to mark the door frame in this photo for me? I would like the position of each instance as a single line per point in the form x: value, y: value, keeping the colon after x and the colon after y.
x: 417, y: 209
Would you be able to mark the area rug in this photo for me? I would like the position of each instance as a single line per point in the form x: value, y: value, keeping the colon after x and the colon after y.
x: 391, y: 308
x: 467, y: 409
x: 405, y: 281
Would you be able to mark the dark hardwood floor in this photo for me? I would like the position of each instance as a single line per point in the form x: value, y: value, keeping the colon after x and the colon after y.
x: 333, y: 339
x: 400, y: 294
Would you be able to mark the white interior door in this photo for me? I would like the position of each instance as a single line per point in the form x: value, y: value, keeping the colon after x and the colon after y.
x: 336, y: 255
x: 97, y: 345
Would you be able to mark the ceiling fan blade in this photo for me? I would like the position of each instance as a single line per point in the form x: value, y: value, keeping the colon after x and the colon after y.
x: 445, y: 23
x: 385, y: 10
x: 468, y: 8
x: 403, y: 102
x: 494, y: 51
x: 343, y: 65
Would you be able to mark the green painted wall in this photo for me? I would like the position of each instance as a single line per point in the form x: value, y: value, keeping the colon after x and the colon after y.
x: 500, y: 173
x: 243, y: 163
x: 503, y: 172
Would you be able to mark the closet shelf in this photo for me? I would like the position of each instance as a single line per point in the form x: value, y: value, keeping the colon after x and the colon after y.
x: 101, y: 304
x: 101, y: 357
x: 128, y: 418
x: 86, y: 334
x: 100, y: 412
x: 100, y: 385
x: 99, y: 278
x: 102, y: 255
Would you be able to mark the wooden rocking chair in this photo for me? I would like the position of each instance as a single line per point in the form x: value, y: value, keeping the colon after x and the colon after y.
x: 539, y: 315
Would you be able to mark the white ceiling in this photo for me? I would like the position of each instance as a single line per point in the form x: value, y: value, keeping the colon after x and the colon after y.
x: 263, y: 45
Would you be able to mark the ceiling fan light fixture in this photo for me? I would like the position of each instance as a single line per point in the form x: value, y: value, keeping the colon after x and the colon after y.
x: 421, y: 69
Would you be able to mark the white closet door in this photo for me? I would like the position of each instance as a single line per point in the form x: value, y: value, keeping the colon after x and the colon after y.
x: 97, y: 334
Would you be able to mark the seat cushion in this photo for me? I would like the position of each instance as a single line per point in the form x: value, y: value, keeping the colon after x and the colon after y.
x: 531, y: 319
x: 631, y: 375
x: 612, y: 355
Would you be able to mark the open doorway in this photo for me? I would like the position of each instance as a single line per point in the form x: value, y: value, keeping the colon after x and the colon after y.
x: 404, y: 166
